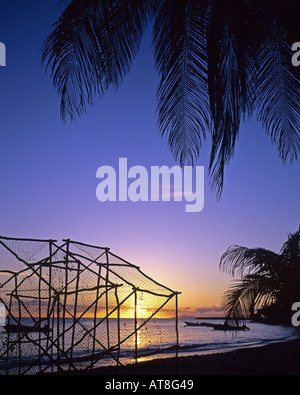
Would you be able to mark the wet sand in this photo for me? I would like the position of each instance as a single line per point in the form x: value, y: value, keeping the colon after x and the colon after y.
x: 274, y: 359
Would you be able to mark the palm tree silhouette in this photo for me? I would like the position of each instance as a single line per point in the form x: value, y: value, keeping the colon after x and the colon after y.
x: 270, y: 286
x: 218, y: 62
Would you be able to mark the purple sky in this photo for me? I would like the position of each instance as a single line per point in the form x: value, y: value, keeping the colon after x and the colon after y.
x: 48, y: 172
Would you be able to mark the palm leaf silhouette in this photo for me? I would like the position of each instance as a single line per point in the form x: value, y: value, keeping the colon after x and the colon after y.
x: 180, y: 55
x: 91, y: 49
x: 218, y: 63
x: 246, y: 295
x: 267, y: 278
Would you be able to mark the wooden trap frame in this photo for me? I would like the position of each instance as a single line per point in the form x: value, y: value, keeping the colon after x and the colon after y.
x: 77, y: 306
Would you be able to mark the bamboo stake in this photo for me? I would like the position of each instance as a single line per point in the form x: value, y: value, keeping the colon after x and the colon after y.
x: 87, y: 245
x: 19, y: 320
x: 106, y: 298
x: 75, y: 310
x: 118, y: 324
x: 95, y: 312
x: 50, y: 340
x: 65, y: 294
x: 40, y: 315
x: 135, y: 324
x: 57, y: 331
x: 177, y: 334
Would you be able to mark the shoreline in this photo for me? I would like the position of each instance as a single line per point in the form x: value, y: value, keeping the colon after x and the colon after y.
x: 280, y: 358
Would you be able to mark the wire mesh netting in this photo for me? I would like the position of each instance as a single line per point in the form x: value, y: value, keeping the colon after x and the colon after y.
x: 76, y: 306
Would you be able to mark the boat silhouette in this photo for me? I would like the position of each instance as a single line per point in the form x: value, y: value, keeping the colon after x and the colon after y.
x: 19, y: 328
x: 220, y: 327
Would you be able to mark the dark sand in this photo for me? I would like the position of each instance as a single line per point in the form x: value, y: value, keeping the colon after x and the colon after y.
x: 273, y: 359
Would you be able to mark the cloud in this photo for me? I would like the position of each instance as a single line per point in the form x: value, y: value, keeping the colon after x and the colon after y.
x: 204, y: 310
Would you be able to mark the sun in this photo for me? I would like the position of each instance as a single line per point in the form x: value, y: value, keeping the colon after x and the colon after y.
x: 141, y: 311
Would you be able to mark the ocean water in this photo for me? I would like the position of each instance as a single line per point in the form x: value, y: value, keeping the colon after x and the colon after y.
x: 152, y: 340
x: 203, y: 340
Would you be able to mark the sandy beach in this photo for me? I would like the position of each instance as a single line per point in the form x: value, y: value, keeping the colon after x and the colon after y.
x: 273, y: 359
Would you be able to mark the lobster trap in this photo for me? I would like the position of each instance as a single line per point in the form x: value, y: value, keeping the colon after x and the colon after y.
x: 77, y: 306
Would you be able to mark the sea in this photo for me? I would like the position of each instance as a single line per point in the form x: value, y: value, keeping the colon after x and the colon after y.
x: 206, y: 340
x: 158, y: 337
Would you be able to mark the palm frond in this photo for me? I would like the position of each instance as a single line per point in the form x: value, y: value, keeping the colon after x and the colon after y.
x: 92, y: 48
x: 237, y: 259
x: 231, y: 71
x: 250, y: 71
x: 218, y: 62
x: 290, y: 251
x: 180, y: 54
x: 271, y: 282
x: 246, y: 295
x: 238, y: 301
x: 285, y: 12
x: 278, y: 83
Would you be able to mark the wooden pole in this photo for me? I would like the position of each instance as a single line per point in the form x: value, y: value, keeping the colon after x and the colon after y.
x: 177, y: 334
x: 49, y: 309
x: 106, y: 298
x: 118, y: 324
x: 135, y: 325
x: 57, y: 332
x: 19, y: 320
x: 65, y: 296
x: 75, y: 311
x: 40, y: 316
x: 95, y: 313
